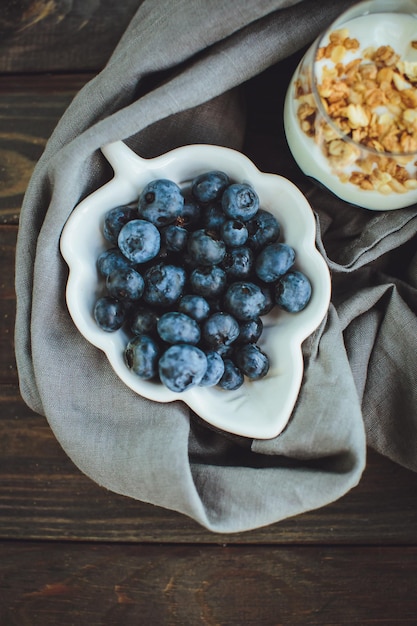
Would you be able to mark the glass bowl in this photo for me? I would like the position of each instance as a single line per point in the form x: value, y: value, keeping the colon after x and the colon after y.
x: 350, y: 113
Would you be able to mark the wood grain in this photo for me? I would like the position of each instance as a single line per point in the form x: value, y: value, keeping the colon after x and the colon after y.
x: 212, y: 586
x: 8, y: 371
x: 30, y: 108
x: 66, y: 35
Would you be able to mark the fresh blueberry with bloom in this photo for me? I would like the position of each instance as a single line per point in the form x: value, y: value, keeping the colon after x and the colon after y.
x: 190, y: 214
x: 252, y: 361
x: 238, y: 263
x: 142, y: 320
x: 213, y: 218
x: 139, y: 241
x: 115, y: 219
x: 268, y: 291
x: 205, y: 248
x: 250, y: 331
x: 232, y: 377
x: 293, y: 291
x: 234, y: 233
x: 220, y: 329
x: 175, y: 238
x: 141, y: 356
x: 226, y: 352
x: 274, y: 261
x: 182, y: 366
x: 209, y: 282
x: 109, y: 313
x: 110, y: 260
x: 195, y: 270
x: 161, y: 202
x: 195, y: 306
x: 175, y: 327
x: 240, y: 202
x: 214, y: 371
x: 244, y: 300
x: 209, y: 186
x: 264, y: 228
x: 125, y: 284
x: 164, y: 284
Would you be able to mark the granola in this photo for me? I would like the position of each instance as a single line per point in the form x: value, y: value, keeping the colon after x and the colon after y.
x: 372, y: 100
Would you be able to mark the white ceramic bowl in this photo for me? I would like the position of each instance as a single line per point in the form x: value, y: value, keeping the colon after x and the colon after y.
x: 259, y: 409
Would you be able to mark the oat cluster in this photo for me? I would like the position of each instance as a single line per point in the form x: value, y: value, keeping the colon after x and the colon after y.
x: 372, y: 99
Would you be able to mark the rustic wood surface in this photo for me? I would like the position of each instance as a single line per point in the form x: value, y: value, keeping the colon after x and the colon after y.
x: 60, y: 35
x: 211, y: 585
x: 74, y: 553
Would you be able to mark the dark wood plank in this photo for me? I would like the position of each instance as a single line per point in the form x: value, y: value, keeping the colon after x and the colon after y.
x: 30, y: 107
x: 44, y: 36
x: 216, y: 586
x: 44, y: 496
x: 8, y: 372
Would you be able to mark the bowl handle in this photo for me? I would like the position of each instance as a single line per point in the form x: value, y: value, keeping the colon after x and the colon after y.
x: 125, y: 162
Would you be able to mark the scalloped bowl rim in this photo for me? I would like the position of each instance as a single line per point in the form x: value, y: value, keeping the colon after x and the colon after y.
x: 259, y: 409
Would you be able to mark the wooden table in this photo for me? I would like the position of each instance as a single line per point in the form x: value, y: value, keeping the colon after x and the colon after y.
x: 72, y: 553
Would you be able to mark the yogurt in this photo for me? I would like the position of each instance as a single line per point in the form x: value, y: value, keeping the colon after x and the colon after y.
x: 360, y: 143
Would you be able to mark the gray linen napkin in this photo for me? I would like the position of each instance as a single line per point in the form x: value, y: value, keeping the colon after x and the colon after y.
x: 173, y: 80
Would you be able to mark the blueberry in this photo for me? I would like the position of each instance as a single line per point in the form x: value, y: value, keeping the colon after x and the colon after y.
x: 139, y: 241
x: 197, y: 270
x: 215, y: 369
x: 143, y: 320
x: 164, y: 284
x: 252, y: 361
x: 175, y: 238
x: 264, y: 228
x: 220, y: 329
x: 209, y: 186
x: 110, y: 260
x: 141, y: 356
x: 205, y: 248
x: 209, y: 282
x: 234, y: 233
x: 232, y: 376
x: 109, y: 313
x: 250, y: 331
x: 161, y: 202
x: 238, y: 263
x: 182, y: 366
x: 240, y: 201
x: 190, y: 214
x: 213, y: 218
x: 244, y: 300
x: 293, y: 291
x: 175, y: 327
x: 268, y: 291
x: 273, y: 261
x: 226, y: 352
x: 125, y: 284
x: 115, y: 219
x: 195, y: 306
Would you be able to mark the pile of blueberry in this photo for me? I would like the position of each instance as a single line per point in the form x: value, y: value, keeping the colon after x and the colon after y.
x: 189, y: 274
